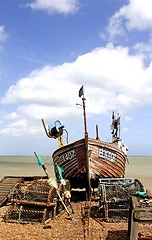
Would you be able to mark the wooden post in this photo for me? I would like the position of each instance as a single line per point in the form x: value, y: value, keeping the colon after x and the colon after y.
x: 133, y: 228
x: 97, y: 133
x: 132, y: 225
x: 88, y: 187
x: 138, y: 214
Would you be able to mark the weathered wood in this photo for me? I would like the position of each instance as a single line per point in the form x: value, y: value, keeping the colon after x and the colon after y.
x: 143, y: 214
x: 138, y: 214
x: 6, y: 185
x: 106, y: 160
x: 26, y: 202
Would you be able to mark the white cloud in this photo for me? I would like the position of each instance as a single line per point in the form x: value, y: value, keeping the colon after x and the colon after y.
x: 56, y: 6
x: 136, y: 15
x: 3, y: 34
x: 20, y: 128
x: 128, y: 118
x: 125, y: 130
x: 145, y: 49
x: 41, y: 87
x: 113, y: 80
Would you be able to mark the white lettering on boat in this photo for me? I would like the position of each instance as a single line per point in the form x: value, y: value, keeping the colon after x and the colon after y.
x: 67, y: 156
x: 108, y: 155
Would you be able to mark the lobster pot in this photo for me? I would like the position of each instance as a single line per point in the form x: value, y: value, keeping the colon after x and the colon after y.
x: 22, y: 215
x: 115, y: 196
x: 38, y: 193
x: 34, y: 202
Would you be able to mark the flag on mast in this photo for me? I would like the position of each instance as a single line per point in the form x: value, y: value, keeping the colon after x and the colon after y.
x: 60, y: 171
x: 81, y: 91
x: 40, y: 163
x: 39, y: 160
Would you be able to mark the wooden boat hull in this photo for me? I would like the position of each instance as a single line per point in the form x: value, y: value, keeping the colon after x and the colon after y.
x: 106, y: 160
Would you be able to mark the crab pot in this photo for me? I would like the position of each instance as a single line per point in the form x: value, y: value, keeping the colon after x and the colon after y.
x: 34, y: 202
x: 22, y: 215
x: 115, y: 194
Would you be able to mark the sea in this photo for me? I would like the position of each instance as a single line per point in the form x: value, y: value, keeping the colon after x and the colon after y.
x: 138, y: 167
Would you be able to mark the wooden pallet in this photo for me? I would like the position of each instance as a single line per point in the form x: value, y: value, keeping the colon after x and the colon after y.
x: 6, y: 185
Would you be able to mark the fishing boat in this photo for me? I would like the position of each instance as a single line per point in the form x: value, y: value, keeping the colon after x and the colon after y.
x: 87, y: 160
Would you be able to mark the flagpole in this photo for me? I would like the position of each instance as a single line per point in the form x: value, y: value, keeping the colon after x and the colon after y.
x: 84, y: 114
x: 81, y: 94
x: 40, y: 163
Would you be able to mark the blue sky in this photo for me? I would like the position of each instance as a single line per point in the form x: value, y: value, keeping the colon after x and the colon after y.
x: 50, y: 48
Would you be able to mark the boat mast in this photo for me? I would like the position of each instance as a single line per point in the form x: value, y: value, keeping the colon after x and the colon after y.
x: 84, y: 115
x: 88, y: 187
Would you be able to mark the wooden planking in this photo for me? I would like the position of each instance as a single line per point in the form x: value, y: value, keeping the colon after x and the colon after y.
x: 105, y: 168
x: 6, y: 185
x: 72, y: 159
x: 72, y: 165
